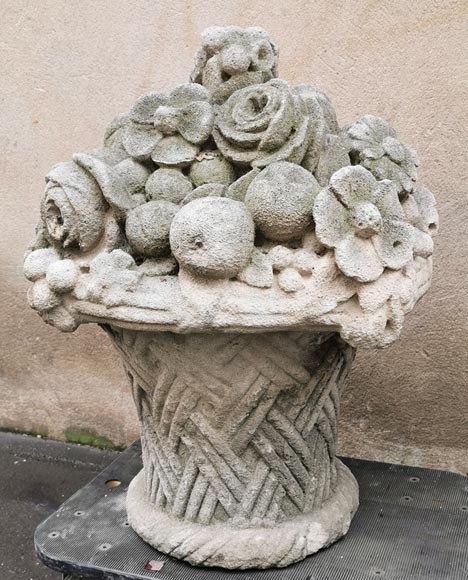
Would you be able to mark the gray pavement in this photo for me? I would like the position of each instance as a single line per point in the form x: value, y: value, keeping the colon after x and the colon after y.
x: 36, y: 476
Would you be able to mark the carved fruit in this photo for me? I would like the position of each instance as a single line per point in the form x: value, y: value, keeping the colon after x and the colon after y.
x: 281, y: 199
x: 42, y: 298
x: 169, y: 184
x: 36, y: 263
x: 148, y: 226
x: 212, y: 168
x: 62, y: 276
x: 213, y: 237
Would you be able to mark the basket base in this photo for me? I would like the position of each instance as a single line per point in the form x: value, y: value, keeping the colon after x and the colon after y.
x: 251, y: 547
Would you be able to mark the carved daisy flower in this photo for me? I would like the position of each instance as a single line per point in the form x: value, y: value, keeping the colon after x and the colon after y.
x: 362, y: 219
x: 170, y: 129
x: 374, y: 145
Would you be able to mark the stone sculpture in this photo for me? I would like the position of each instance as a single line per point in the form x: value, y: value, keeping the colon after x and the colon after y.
x: 237, y: 246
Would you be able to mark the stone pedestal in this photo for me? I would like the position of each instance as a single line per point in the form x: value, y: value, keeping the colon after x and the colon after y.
x: 238, y: 435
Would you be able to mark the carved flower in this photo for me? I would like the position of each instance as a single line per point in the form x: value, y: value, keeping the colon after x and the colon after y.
x: 362, y: 219
x: 375, y: 146
x: 262, y: 124
x: 169, y: 129
x: 73, y: 208
x: 232, y: 58
x: 292, y: 266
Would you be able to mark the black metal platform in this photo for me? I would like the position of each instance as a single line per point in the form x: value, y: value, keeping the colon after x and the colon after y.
x: 412, y: 524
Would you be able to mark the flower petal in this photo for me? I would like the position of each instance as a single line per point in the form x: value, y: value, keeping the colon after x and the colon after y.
x: 357, y: 258
x: 293, y: 150
x: 379, y: 128
x: 359, y: 131
x: 118, y: 183
x: 140, y: 140
x: 319, y: 105
x: 375, y: 152
x: 428, y: 216
x: 423, y: 245
x: 238, y: 189
x: 280, y: 126
x: 183, y: 95
x: 394, y: 245
x: 394, y: 149
x: 333, y: 156
x: 236, y: 83
x: 412, y: 157
x: 385, y: 168
x: 411, y: 210
x: 196, y: 122
x: 387, y: 200
x: 242, y: 156
x: 144, y: 108
x: 407, y: 183
x: 174, y: 150
x: 352, y: 184
x: 113, y: 134
x: 331, y: 225
x: 230, y: 128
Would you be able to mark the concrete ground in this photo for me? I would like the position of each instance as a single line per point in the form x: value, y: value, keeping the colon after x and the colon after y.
x: 36, y: 476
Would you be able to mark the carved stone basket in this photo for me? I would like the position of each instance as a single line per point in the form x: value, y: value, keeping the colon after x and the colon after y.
x: 237, y: 245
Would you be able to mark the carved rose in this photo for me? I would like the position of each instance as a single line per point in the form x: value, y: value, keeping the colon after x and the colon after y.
x: 362, y: 219
x: 262, y: 124
x: 374, y: 145
x: 170, y: 129
x: 73, y: 208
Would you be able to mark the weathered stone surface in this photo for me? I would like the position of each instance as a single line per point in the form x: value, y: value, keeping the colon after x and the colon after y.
x: 232, y: 239
x: 364, y: 230
x: 281, y: 199
x: 261, y: 124
x: 373, y: 143
x: 238, y: 436
x: 212, y: 167
x: 365, y: 223
x: 168, y: 184
x: 213, y: 237
x: 148, y: 225
x: 169, y: 130
x: 232, y: 57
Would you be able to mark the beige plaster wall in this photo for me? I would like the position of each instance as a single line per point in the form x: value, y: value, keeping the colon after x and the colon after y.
x: 68, y: 66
